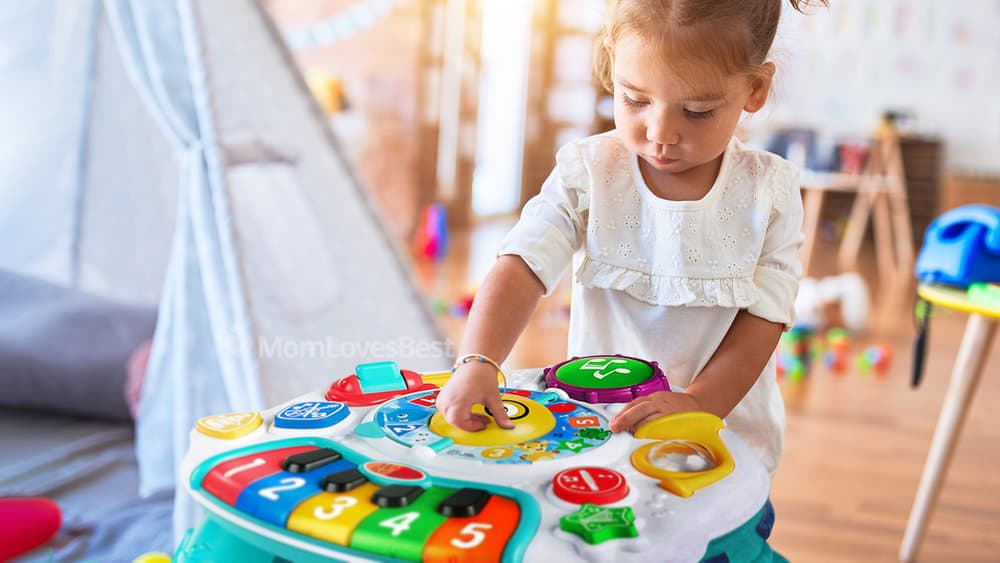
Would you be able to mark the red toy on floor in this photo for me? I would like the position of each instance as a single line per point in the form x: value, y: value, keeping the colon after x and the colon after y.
x: 26, y: 523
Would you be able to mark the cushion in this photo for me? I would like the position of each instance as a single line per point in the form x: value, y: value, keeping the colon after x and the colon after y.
x: 65, y: 350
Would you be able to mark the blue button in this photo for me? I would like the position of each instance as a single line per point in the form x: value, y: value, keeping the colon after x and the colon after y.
x: 402, y: 429
x: 311, y: 415
x: 273, y: 498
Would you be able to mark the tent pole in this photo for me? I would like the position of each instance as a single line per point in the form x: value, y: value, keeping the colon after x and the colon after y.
x: 80, y: 167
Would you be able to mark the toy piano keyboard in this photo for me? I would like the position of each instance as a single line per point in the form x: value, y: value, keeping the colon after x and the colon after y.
x: 369, y: 470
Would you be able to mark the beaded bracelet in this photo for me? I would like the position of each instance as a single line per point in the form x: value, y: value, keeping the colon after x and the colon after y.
x: 483, y: 359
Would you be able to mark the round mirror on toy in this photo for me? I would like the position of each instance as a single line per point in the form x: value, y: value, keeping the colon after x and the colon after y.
x: 687, y: 454
x: 546, y: 427
x: 683, y: 456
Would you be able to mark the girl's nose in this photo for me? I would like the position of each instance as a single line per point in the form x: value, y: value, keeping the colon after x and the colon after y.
x: 658, y: 131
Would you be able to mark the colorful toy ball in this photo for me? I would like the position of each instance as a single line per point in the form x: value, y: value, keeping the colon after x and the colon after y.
x: 439, y: 306
x: 836, y: 362
x: 795, y: 369
x: 880, y: 356
x: 431, y: 238
x: 26, y: 523
x: 462, y: 307
x: 837, y: 337
x: 838, y: 345
x: 875, y: 358
x: 795, y: 353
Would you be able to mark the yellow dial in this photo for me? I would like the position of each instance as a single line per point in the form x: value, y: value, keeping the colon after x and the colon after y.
x: 531, y: 421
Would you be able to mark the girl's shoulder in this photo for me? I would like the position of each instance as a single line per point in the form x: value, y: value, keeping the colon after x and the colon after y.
x: 762, y: 172
x: 759, y: 163
x: 595, y: 151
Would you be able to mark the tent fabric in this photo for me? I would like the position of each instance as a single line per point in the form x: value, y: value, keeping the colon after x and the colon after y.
x: 169, y: 153
x: 40, y: 127
x: 187, y: 377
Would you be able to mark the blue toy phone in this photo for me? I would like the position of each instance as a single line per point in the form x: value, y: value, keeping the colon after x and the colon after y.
x: 962, y: 247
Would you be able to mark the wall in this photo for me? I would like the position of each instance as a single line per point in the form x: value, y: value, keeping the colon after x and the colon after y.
x: 839, y: 68
x: 378, y: 64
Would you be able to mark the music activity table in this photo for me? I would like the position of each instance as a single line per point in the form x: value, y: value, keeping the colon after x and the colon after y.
x: 369, y: 470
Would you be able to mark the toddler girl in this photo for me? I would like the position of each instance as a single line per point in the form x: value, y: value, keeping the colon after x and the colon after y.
x: 683, y: 241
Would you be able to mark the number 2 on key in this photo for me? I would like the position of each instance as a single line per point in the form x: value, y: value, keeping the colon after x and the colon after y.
x: 289, y: 484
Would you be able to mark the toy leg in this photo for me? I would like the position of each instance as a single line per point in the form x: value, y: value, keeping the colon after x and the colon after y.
x: 964, y: 378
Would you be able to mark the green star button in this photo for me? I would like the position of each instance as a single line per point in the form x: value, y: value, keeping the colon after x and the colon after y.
x: 593, y: 433
x: 609, y: 372
x: 597, y: 524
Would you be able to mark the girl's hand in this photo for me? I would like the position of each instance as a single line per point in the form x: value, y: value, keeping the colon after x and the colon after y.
x: 471, y: 384
x: 650, y: 407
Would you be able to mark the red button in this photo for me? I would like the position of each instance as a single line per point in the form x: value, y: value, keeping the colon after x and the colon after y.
x: 596, y: 485
x: 348, y: 390
x: 428, y: 400
x: 394, y: 471
x: 228, y: 479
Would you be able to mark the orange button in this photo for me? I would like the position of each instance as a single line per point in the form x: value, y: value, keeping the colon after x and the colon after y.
x: 228, y: 479
x: 479, y: 538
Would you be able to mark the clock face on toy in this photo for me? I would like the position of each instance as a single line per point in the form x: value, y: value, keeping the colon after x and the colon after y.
x: 546, y: 427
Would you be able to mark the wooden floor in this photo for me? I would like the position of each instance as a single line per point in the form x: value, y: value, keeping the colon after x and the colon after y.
x: 855, y: 445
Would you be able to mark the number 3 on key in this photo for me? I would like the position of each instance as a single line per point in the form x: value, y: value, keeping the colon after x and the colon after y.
x: 338, y: 506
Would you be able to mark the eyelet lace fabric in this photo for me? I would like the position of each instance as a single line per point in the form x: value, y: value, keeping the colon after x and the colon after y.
x: 662, y: 252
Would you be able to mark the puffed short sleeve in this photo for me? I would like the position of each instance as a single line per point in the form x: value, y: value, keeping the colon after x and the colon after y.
x: 553, y: 224
x: 778, y: 270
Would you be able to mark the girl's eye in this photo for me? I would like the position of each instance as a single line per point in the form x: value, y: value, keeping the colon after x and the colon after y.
x: 629, y: 101
x: 699, y: 114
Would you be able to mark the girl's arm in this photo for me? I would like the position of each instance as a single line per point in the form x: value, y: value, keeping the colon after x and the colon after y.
x: 724, y: 381
x: 736, y: 365
x: 500, y: 312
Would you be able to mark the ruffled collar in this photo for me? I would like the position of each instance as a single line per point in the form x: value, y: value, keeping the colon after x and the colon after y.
x: 674, y: 291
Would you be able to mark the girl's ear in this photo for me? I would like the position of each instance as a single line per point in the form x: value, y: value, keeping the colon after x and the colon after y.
x: 760, y: 87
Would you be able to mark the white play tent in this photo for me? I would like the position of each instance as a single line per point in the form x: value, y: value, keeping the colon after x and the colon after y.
x: 167, y: 151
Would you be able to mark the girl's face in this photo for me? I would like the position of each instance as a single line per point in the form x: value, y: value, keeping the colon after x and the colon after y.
x: 679, y: 128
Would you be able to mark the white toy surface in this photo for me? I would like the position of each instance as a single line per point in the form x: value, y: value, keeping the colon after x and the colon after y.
x: 560, y: 463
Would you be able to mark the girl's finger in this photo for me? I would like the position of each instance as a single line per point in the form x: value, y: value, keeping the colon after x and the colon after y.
x: 634, y: 411
x: 648, y: 418
x: 462, y: 419
x: 495, y: 404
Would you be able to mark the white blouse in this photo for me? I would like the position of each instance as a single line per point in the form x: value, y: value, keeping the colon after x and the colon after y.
x: 661, y: 279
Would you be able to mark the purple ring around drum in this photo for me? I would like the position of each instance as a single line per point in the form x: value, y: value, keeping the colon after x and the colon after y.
x: 656, y: 382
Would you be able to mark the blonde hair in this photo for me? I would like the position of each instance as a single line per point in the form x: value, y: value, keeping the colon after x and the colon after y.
x: 733, y: 36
